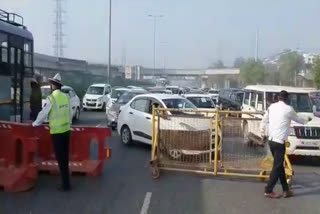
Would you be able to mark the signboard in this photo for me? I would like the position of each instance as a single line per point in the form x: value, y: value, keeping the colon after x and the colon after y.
x: 138, y: 73
x: 190, y: 78
x: 128, y: 72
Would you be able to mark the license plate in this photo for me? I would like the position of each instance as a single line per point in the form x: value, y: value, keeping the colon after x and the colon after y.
x: 310, y: 143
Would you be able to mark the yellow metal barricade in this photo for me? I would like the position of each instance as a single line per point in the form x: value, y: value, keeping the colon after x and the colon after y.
x: 210, y: 142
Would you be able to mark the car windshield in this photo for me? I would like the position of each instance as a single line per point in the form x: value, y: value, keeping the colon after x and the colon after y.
x: 300, y: 102
x: 195, y: 91
x: 240, y: 97
x: 179, y: 103
x: 213, y: 92
x: 202, y: 102
x: 95, y: 90
x: 316, y: 102
x: 174, y: 90
x: 126, y: 97
x: 116, y: 94
x: 65, y: 90
x: 45, y: 92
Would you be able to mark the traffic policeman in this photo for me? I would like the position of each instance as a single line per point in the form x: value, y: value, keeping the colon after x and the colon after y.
x: 58, y: 111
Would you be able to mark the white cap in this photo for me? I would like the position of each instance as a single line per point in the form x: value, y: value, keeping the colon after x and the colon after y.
x: 56, y: 79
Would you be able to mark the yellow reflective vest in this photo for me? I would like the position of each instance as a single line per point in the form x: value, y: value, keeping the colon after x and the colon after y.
x: 59, y: 116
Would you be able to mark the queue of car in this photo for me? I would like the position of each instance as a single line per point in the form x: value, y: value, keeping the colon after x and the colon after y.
x: 129, y: 109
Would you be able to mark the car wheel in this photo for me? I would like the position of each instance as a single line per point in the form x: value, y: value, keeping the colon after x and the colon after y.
x: 126, y: 135
x: 77, y: 115
x: 175, y: 153
x: 84, y: 109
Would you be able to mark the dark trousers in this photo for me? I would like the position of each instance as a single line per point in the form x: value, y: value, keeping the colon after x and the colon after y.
x: 278, y: 151
x: 61, y: 150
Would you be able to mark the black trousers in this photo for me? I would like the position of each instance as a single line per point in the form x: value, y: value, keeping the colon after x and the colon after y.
x: 61, y: 150
x: 278, y: 151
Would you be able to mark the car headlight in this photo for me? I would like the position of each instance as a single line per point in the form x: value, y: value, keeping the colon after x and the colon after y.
x: 288, y: 144
x: 99, y: 100
x: 292, y: 132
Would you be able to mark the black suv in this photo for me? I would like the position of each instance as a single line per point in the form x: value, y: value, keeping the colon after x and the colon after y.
x: 231, y: 98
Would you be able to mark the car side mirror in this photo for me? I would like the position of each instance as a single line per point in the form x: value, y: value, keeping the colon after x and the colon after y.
x: 314, y: 108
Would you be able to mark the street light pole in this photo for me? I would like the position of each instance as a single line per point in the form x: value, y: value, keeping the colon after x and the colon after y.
x: 154, y: 40
x: 109, y: 62
x: 164, y: 55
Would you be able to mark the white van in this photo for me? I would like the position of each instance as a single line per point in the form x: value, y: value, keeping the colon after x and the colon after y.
x: 96, y: 97
x: 303, y: 139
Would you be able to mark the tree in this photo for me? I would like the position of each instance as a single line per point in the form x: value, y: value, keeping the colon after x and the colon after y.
x: 316, y: 72
x: 291, y: 63
x: 271, y: 76
x: 252, y: 72
x: 217, y: 65
x: 238, y: 62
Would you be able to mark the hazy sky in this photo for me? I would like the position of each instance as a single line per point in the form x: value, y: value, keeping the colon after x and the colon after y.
x: 192, y: 33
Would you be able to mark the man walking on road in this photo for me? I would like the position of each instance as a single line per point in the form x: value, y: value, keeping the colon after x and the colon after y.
x: 277, y: 121
x: 57, y: 109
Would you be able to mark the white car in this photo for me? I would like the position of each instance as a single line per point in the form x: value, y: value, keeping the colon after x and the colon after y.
x: 112, y: 112
x: 117, y: 92
x: 174, y: 89
x: 96, y: 97
x: 201, y: 101
x: 303, y: 139
x: 135, y: 118
x: 214, y: 93
x: 73, y: 97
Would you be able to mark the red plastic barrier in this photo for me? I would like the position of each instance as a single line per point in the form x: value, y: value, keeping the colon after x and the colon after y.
x: 18, y: 172
x: 79, y: 152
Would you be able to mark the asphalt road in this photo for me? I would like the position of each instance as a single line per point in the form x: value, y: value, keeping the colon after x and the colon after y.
x: 126, y: 187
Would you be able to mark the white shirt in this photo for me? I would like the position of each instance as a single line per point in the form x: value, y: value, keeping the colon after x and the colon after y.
x: 277, y: 121
x: 43, y: 114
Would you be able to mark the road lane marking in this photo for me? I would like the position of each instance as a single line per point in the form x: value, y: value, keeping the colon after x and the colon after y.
x: 146, y: 203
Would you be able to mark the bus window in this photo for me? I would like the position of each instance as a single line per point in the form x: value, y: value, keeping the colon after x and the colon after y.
x: 260, y: 102
x: 246, y: 98
x: 27, y: 47
x: 4, y: 54
x: 4, y: 47
x: 272, y: 97
x: 253, y: 99
x: 27, y: 60
x: 27, y: 54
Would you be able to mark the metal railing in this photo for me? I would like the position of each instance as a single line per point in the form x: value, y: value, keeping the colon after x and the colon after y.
x: 210, y: 142
x: 11, y: 18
